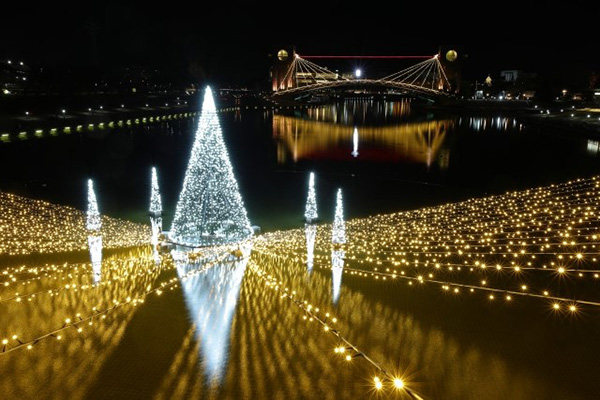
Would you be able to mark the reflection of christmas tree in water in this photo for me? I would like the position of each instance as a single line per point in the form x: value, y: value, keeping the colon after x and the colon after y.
x: 95, y: 247
x: 210, y: 209
x: 211, y: 298
x: 311, y: 235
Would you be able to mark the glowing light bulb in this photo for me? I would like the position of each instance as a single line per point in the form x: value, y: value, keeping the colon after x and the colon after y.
x: 398, y: 383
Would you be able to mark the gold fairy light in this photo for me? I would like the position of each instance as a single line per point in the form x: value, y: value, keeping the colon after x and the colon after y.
x: 525, y: 235
x: 30, y: 226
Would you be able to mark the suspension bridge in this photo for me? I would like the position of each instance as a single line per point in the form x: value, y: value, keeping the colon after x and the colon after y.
x: 296, y: 75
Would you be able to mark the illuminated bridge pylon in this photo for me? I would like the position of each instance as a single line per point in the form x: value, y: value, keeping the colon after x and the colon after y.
x: 302, y: 75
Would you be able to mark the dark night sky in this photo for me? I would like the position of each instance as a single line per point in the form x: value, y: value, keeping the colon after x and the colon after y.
x: 232, y: 41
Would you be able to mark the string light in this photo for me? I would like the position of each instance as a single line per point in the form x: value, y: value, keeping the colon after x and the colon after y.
x: 33, y: 226
x: 325, y: 321
x: 211, y: 257
x: 210, y: 208
x: 527, y: 236
x: 310, y: 213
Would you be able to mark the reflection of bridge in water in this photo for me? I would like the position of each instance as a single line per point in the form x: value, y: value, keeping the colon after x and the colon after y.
x: 411, y: 142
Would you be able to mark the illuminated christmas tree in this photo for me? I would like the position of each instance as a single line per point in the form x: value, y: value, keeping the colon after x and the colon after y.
x: 93, y: 222
x: 210, y: 209
x: 311, y: 202
x: 155, y: 209
x: 155, y: 202
x: 338, y: 235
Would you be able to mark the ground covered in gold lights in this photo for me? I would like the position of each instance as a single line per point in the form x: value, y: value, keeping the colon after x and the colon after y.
x: 33, y: 226
x: 493, y: 298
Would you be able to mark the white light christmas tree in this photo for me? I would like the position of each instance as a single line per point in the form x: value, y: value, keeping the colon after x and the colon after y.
x: 311, y: 202
x: 155, y: 202
x: 338, y: 235
x: 93, y: 222
x: 210, y: 208
x: 155, y: 209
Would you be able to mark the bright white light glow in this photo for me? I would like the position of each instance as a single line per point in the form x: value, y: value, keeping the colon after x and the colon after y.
x: 338, y: 235
x: 210, y: 208
x: 310, y: 214
x: 95, y: 246
x: 358, y: 73
x: 211, y: 299
x: 337, y: 269
x: 355, y: 142
x: 93, y: 215
x: 155, y: 202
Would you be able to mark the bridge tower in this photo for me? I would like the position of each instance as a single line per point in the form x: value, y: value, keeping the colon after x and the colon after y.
x: 452, y: 58
x: 281, y: 76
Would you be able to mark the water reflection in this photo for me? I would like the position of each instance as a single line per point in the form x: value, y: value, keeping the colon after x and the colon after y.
x: 73, y: 367
x: 211, y: 299
x: 156, y: 224
x: 95, y: 246
x: 337, y: 269
x: 593, y: 146
x: 361, y: 111
x: 479, y: 124
x: 355, y: 143
x: 410, y: 142
x: 311, y: 234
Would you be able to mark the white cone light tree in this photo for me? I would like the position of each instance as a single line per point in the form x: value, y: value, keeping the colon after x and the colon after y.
x: 210, y: 209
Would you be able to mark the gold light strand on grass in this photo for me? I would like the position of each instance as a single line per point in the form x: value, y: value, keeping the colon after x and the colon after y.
x: 539, y: 243
x: 14, y: 342
x: 327, y: 321
x: 74, y: 286
x: 30, y: 226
